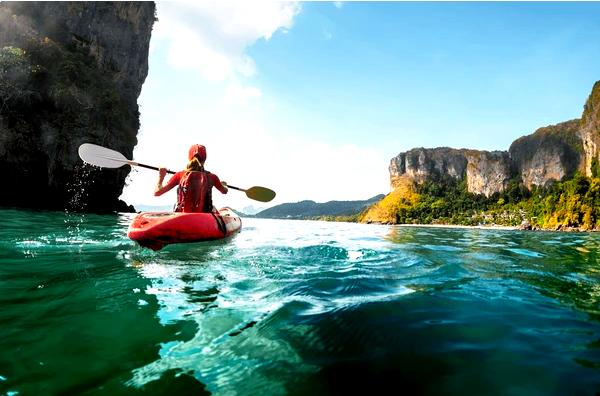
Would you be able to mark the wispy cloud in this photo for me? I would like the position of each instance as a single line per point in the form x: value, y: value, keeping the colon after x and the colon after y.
x: 211, y: 37
x: 338, y: 4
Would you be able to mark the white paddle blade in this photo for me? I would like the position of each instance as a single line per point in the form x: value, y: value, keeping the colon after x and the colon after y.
x: 101, y: 156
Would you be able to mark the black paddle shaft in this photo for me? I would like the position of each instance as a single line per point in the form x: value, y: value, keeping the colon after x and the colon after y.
x: 171, y: 172
x: 153, y: 167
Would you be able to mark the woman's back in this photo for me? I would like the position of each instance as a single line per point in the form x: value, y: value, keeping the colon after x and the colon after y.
x: 195, y: 192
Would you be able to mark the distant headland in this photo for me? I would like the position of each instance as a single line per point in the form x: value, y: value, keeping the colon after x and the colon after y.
x: 547, y: 180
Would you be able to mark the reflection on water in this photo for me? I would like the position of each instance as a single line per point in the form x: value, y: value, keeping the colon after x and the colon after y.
x: 297, y: 307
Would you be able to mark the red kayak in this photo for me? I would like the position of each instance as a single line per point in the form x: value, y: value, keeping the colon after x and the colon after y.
x: 157, y: 229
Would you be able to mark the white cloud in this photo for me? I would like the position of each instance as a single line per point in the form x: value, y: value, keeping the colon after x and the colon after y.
x: 338, y: 4
x: 211, y: 36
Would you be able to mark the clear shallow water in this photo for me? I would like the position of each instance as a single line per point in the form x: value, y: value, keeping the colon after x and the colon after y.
x: 298, y: 308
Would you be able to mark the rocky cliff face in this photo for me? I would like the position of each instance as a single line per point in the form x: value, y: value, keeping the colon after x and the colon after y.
x: 486, y: 172
x: 590, y: 132
x: 70, y: 73
x: 421, y: 164
x: 549, y: 154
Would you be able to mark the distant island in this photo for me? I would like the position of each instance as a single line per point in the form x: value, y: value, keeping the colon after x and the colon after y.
x: 311, y: 210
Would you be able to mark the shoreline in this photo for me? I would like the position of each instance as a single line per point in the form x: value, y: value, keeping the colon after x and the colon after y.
x: 496, y: 227
x: 458, y: 226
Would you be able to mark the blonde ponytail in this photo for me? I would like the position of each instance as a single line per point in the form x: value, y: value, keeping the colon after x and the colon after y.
x: 194, y: 165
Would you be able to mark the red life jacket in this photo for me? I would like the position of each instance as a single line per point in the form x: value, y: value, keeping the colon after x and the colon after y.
x: 195, y: 192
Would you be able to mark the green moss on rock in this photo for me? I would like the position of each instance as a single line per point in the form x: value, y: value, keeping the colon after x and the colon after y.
x: 592, y: 106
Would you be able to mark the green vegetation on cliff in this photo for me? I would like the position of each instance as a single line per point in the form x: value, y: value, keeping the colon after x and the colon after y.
x: 591, y: 107
x: 16, y: 72
x: 573, y: 203
x: 48, y: 83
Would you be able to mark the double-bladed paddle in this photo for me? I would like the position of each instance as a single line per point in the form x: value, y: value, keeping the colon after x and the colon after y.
x: 107, y: 158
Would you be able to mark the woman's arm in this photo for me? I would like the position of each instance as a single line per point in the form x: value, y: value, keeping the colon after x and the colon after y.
x: 221, y: 186
x: 173, y: 181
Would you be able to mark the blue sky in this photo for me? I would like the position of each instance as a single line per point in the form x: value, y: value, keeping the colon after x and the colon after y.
x: 314, y: 99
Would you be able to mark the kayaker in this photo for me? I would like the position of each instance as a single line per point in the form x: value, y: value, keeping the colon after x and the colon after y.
x: 195, y: 183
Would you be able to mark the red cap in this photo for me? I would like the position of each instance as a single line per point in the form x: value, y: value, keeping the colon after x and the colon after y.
x: 197, y: 150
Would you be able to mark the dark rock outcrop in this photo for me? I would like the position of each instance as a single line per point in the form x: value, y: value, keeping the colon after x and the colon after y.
x: 70, y: 73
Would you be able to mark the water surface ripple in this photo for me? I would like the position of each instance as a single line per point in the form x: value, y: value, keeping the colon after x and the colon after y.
x: 296, y: 308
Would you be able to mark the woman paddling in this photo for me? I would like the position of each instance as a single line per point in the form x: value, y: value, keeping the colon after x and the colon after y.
x: 195, y: 183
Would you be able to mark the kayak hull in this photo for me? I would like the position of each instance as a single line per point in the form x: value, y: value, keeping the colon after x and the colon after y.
x: 158, y: 229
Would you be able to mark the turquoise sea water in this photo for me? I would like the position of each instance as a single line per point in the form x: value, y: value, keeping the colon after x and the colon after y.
x: 297, y: 308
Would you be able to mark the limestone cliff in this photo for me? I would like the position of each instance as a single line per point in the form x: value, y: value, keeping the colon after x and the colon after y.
x: 421, y: 164
x: 590, y: 132
x: 550, y: 153
x: 485, y: 172
x: 70, y: 72
x: 488, y: 172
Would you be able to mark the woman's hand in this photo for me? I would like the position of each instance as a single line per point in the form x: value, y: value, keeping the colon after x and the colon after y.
x: 162, y: 172
x: 161, y: 175
x: 225, y: 188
